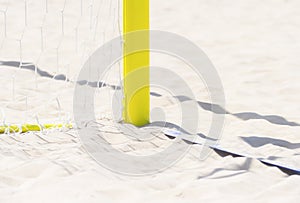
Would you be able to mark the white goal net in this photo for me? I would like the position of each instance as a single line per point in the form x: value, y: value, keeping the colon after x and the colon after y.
x: 43, y: 45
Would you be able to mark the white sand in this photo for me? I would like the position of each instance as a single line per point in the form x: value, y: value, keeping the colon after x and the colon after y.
x: 254, y: 45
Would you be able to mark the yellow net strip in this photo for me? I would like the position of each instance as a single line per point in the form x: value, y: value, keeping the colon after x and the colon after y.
x: 31, y: 128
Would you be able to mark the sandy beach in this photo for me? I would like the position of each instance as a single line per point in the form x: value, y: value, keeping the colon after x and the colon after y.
x: 254, y: 47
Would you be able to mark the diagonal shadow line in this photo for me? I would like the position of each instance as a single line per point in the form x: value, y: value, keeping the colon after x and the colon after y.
x: 59, y: 77
x: 214, y: 108
x: 274, y: 119
x: 270, y: 118
x: 257, y: 142
x: 205, y: 106
x: 32, y: 67
x: 163, y: 124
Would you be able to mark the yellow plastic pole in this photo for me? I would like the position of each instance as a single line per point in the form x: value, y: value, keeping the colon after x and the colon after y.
x: 137, y: 105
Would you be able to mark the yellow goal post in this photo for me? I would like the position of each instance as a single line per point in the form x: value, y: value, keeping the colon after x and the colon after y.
x: 136, y: 18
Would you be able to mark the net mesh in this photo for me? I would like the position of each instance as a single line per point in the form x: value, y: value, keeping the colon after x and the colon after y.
x: 43, y: 45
